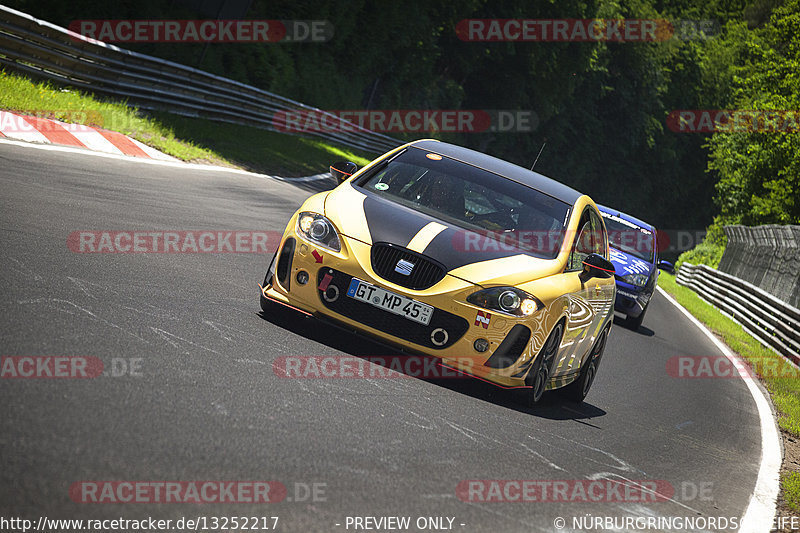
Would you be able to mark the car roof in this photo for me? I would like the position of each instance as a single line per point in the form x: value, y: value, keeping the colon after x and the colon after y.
x: 625, y: 216
x: 503, y: 168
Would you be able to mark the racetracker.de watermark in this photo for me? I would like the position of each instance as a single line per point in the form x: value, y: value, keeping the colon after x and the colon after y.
x: 406, y: 120
x: 368, y: 367
x: 550, y: 241
x: 173, y: 242
x: 584, y: 30
x: 204, y: 31
x: 68, y: 367
x: 720, y: 366
x: 50, y: 367
x: 177, y: 492
x: 42, y: 121
x: 72, y: 120
x: 733, y: 121
x: 563, y: 490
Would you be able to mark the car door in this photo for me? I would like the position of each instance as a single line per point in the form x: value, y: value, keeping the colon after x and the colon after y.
x: 588, y: 300
x: 602, y: 298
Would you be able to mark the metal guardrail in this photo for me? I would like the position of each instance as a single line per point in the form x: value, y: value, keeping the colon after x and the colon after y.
x: 46, y: 51
x: 767, y: 256
x: 772, y: 321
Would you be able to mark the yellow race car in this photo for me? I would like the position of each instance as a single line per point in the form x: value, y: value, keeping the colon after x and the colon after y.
x: 497, y: 270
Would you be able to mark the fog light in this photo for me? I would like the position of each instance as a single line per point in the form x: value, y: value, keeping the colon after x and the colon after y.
x: 439, y: 337
x: 302, y: 277
x: 480, y: 345
x: 331, y: 294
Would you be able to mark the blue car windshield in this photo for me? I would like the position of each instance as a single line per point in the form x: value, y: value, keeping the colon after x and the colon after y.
x: 630, y: 238
x: 473, y: 199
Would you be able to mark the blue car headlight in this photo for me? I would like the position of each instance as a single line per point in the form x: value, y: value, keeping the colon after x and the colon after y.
x: 319, y: 230
x: 509, y: 300
x: 637, y: 280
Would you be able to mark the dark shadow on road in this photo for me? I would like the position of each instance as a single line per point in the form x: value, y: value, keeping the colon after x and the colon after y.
x: 314, y: 186
x: 552, y: 406
x: 643, y: 330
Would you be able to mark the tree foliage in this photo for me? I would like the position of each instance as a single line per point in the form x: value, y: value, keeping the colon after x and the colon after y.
x: 759, y: 172
x: 601, y: 107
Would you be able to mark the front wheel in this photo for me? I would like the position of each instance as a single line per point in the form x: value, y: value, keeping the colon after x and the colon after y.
x: 578, y: 389
x: 540, y: 373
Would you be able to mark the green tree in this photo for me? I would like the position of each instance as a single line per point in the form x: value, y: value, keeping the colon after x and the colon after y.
x: 759, y: 172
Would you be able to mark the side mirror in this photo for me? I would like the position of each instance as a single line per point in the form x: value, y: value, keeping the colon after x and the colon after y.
x: 342, y: 170
x: 597, y: 266
x: 666, y: 266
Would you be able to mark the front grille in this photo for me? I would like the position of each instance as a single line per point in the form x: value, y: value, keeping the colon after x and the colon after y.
x: 387, y: 322
x: 426, y: 272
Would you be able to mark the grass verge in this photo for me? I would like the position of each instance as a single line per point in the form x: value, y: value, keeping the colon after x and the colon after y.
x: 790, y: 485
x: 260, y: 150
x: 783, y: 384
x: 189, y: 139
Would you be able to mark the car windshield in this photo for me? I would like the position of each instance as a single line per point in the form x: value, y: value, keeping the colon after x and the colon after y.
x: 630, y: 238
x: 496, y: 208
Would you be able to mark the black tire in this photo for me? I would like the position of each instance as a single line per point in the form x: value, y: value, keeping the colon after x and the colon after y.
x: 540, y: 373
x: 578, y: 389
x: 634, y: 323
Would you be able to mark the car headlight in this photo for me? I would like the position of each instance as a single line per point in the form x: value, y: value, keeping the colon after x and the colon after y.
x: 509, y: 300
x: 318, y: 229
x: 639, y: 280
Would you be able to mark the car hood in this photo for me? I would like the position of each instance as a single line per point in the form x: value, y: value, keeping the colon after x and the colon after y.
x: 625, y: 263
x: 471, y: 257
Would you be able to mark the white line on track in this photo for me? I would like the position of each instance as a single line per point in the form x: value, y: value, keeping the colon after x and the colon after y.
x: 760, y: 512
x: 175, y: 164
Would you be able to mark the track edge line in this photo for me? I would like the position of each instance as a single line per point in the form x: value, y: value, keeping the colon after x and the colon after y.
x: 760, y: 513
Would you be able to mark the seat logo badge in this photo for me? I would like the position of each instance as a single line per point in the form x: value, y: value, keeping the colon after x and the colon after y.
x: 404, y: 267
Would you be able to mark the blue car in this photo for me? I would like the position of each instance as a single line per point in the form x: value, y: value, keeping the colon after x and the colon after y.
x: 633, y: 249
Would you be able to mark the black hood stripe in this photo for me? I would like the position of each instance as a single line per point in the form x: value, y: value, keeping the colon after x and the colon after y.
x: 396, y: 224
x: 392, y: 223
x: 453, y: 250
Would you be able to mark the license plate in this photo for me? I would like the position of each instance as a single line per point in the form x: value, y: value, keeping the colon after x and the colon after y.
x: 394, y: 303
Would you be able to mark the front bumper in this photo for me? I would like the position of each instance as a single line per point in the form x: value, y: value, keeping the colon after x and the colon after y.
x: 448, y: 297
x: 631, y: 300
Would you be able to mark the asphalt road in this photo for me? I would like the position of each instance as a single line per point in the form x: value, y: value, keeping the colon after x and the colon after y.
x: 206, y: 405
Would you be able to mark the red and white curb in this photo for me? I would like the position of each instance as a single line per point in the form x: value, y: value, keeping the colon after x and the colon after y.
x: 172, y: 163
x: 49, y: 131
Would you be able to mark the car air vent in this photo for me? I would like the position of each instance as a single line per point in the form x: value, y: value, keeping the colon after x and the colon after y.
x: 404, y: 267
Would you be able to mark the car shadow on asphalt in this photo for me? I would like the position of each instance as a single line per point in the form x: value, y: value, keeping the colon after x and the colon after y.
x: 552, y: 406
x: 643, y: 330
